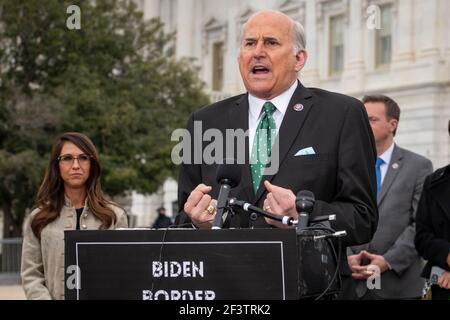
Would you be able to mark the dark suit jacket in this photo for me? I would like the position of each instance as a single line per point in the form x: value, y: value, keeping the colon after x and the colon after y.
x: 341, y: 174
x: 394, y: 238
x: 433, y: 221
x: 162, y: 221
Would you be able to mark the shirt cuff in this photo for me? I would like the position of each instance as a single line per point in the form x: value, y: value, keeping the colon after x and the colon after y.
x: 389, y: 265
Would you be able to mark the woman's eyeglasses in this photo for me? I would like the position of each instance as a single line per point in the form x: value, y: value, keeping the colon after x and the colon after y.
x: 68, y: 159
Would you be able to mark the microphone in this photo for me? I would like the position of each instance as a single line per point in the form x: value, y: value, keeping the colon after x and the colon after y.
x: 228, y: 176
x: 304, y: 204
x: 289, y: 221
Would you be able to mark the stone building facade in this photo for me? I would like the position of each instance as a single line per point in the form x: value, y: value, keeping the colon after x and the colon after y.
x: 400, y: 48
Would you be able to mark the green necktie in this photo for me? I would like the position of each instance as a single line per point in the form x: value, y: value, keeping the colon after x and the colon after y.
x: 262, y: 144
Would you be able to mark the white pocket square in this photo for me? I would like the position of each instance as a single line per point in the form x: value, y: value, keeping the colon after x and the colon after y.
x: 305, y: 152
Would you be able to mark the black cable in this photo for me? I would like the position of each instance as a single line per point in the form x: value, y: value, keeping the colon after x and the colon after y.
x: 336, y: 256
x: 159, y: 260
x: 336, y: 272
x: 173, y: 226
x: 312, y: 228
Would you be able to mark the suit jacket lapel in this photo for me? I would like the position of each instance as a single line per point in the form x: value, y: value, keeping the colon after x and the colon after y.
x: 238, y: 119
x: 392, y: 171
x: 290, y: 128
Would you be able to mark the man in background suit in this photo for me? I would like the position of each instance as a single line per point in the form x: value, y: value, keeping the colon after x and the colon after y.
x: 162, y: 221
x: 325, y: 141
x: 400, y: 177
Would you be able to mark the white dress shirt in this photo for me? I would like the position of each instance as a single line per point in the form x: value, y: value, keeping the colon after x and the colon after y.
x: 386, y: 156
x: 255, y: 112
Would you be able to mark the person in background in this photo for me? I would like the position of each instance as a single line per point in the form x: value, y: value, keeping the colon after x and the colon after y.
x: 69, y: 198
x: 400, y: 176
x: 162, y: 221
x: 433, y: 230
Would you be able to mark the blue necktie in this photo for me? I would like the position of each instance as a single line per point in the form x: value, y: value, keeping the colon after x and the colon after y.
x: 378, y: 173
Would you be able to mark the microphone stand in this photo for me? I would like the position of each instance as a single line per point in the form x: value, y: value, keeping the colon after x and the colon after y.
x: 233, y: 202
x: 289, y: 221
x: 303, y: 230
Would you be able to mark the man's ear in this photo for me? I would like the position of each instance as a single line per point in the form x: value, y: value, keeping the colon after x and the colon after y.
x: 394, y: 124
x: 301, y: 57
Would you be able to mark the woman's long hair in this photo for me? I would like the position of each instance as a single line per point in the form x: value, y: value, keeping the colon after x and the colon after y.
x: 50, y: 197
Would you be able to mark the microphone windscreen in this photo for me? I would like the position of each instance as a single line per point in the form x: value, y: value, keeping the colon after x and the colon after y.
x: 229, y: 170
x: 305, y: 195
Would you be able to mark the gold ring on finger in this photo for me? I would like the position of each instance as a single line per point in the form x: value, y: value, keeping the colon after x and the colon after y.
x: 210, y: 209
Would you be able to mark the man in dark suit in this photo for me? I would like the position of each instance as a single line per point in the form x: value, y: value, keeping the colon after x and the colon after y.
x: 400, y: 175
x: 162, y: 221
x: 324, y: 145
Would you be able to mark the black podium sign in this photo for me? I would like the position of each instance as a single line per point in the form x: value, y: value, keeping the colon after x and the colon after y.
x: 179, y: 264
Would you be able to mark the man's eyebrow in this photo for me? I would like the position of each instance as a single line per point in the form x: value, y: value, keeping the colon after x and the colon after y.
x: 269, y: 38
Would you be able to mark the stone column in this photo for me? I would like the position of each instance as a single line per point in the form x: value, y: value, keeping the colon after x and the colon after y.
x: 310, y: 73
x: 428, y: 29
x: 402, y: 41
x: 151, y: 9
x: 185, y: 28
x: 444, y: 9
x: 355, y: 54
x: 354, y: 66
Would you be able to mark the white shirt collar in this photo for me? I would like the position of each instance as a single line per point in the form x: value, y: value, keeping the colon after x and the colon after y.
x: 281, y: 102
x: 387, y: 155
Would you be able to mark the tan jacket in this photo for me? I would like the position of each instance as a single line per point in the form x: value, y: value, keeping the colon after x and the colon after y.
x: 43, y: 261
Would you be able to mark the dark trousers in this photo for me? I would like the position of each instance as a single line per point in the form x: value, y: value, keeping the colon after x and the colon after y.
x: 348, y: 291
x: 437, y: 293
x: 372, y: 295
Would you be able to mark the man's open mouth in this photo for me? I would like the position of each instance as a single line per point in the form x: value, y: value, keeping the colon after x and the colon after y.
x: 260, y: 70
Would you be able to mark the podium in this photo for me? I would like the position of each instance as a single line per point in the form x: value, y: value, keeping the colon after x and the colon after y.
x: 182, y: 264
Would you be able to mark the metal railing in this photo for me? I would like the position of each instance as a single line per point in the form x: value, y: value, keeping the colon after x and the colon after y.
x: 10, y: 259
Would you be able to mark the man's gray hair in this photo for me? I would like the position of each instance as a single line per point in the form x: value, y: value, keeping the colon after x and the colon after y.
x: 299, y: 41
x: 298, y: 34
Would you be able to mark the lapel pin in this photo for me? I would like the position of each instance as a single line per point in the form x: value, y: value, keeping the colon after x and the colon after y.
x: 298, y: 107
x: 395, y: 166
